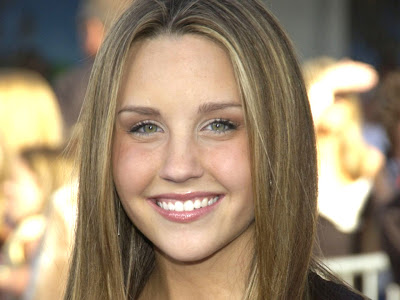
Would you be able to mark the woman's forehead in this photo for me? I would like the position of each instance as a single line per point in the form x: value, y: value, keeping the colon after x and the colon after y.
x: 183, y: 67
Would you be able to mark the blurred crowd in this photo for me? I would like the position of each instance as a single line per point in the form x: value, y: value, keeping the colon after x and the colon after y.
x: 356, y: 116
x: 357, y: 122
x: 39, y: 138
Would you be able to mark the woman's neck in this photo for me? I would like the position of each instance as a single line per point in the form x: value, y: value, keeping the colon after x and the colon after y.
x: 221, y: 276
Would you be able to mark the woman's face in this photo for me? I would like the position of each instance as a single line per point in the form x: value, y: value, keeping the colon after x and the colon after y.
x: 180, y: 151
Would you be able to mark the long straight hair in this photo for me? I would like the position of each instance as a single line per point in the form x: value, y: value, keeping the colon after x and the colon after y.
x: 281, y: 139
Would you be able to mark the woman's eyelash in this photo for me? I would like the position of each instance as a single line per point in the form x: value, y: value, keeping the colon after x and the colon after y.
x: 222, y: 125
x: 217, y: 126
x: 145, y: 128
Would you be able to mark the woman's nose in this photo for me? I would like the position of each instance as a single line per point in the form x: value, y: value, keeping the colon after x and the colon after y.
x: 182, y: 160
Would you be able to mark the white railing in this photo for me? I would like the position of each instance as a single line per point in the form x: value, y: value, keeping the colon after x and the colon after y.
x: 368, y: 266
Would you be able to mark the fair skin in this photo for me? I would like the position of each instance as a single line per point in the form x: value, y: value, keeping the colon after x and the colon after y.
x: 23, y: 193
x: 180, y: 142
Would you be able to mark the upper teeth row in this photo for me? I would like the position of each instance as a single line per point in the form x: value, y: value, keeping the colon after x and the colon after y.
x: 188, y: 205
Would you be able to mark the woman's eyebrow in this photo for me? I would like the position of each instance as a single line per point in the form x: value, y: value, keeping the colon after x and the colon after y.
x: 203, y: 108
x: 142, y: 110
x: 212, y: 106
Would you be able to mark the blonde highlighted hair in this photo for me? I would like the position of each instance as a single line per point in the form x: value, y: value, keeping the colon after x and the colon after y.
x: 29, y: 111
x: 281, y: 139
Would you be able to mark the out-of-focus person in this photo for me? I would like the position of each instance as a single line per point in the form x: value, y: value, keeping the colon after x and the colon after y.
x: 29, y: 117
x: 35, y: 174
x: 94, y: 17
x: 387, y: 186
x: 347, y: 164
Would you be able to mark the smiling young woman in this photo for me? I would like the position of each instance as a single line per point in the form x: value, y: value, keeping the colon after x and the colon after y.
x: 179, y: 115
x: 198, y: 165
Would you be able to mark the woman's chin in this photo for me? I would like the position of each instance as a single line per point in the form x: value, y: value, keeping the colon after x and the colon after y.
x: 192, y: 256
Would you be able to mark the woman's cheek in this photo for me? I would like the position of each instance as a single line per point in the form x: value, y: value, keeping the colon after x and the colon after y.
x: 134, y: 166
x: 230, y: 162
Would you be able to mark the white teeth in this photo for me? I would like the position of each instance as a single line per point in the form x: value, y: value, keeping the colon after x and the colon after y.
x: 212, y: 201
x: 197, y: 204
x: 188, y: 205
x: 178, y: 206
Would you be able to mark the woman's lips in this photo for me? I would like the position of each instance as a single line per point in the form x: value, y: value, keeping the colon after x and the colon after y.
x: 184, y: 208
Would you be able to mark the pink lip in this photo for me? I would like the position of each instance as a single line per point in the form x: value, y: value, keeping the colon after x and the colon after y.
x: 184, y: 216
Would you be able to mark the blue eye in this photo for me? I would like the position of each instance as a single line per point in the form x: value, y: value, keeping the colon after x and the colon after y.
x: 145, y: 128
x: 221, y: 126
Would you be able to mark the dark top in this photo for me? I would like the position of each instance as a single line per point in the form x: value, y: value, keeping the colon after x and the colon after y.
x: 327, y: 290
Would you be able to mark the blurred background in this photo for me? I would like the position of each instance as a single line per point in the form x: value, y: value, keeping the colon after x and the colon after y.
x: 39, y: 34
x: 365, y: 30
x: 42, y: 34
x: 350, y: 54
